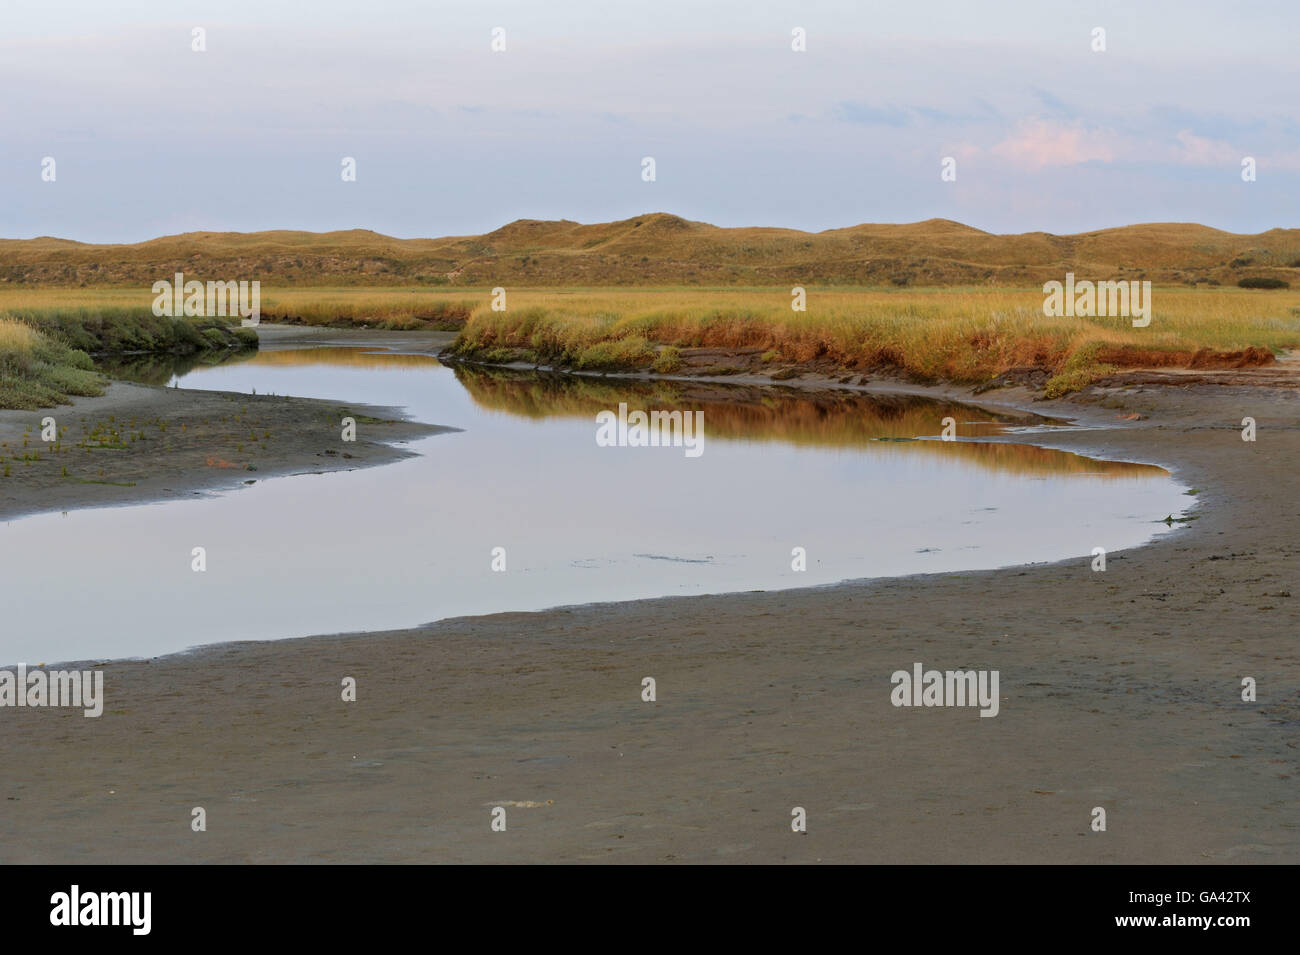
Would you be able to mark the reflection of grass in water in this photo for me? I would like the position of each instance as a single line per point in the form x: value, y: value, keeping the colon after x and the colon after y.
x: 342, y: 355
x: 159, y: 369
x: 1028, y: 459
x: 816, y: 419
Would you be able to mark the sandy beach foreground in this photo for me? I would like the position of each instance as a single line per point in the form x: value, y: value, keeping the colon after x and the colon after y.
x: 1119, y: 690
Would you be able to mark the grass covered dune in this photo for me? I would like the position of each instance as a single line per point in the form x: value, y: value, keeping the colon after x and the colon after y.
x: 659, y: 249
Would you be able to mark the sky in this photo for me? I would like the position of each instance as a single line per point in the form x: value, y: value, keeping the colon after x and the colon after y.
x: 150, y: 137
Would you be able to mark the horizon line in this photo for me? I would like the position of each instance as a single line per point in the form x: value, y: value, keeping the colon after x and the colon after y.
x: 647, y: 215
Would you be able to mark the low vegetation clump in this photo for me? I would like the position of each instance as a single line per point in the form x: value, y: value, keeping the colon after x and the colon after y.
x: 668, y: 360
x: 119, y: 330
x: 46, y: 352
x: 1079, y: 370
x: 37, y: 371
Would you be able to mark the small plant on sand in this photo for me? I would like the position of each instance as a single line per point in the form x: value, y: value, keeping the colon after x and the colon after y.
x: 668, y: 360
x: 1078, y: 371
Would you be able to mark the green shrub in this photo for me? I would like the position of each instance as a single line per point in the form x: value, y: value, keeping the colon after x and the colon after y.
x: 668, y: 360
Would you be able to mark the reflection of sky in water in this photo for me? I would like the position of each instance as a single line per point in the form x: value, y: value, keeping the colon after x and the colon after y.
x: 411, y: 542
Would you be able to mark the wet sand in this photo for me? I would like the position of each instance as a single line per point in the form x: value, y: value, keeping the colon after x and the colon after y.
x: 1119, y: 689
x: 139, y: 443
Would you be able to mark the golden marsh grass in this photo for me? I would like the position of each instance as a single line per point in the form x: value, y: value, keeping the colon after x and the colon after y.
x: 969, y: 334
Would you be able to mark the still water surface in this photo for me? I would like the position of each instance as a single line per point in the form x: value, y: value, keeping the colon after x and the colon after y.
x: 410, y: 542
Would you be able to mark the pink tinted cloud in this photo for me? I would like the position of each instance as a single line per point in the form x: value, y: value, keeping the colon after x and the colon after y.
x: 1038, y: 143
x: 1200, y: 151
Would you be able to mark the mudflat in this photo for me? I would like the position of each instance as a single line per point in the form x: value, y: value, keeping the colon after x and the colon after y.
x: 1119, y: 689
x: 140, y: 443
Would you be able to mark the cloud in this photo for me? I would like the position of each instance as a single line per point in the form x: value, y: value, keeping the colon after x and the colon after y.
x: 1053, y: 104
x: 900, y: 117
x: 1199, y: 151
x: 873, y: 116
x: 1194, y: 150
x: 963, y: 150
x: 1037, y: 143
